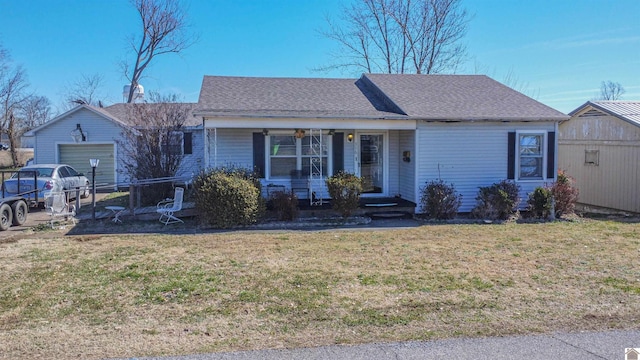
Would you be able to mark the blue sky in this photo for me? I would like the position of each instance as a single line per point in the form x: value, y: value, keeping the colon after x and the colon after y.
x: 556, y: 51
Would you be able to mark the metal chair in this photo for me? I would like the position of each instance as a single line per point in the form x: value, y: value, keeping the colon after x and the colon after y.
x: 56, y: 205
x: 166, y: 208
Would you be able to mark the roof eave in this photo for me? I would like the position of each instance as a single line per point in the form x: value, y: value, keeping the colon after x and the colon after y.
x: 495, y: 119
x: 297, y: 116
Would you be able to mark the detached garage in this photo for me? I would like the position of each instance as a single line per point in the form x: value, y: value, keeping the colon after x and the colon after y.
x: 83, y: 133
x: 78, y: 155
x: 88, y: 132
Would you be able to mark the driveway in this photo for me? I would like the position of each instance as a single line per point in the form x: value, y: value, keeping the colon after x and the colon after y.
x: 40, y: 216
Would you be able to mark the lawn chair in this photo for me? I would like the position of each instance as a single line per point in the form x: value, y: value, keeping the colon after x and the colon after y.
x: 166, y: 208
x: 56, y: 205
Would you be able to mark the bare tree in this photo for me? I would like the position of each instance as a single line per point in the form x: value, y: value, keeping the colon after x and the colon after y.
x: 35, y: 111
x: 610, y: 90
x: 13, y: 94
x: 164, y: 30
x: 152, y: 146
x: 84, y: 90
x: 399, y: 36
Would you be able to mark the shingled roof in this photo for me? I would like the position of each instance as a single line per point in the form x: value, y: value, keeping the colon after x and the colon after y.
x: 288, y: 97
x: 120, y: 112
x: 373, y: 96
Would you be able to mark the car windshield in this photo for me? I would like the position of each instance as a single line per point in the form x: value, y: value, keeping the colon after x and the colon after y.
x: 40, y: 172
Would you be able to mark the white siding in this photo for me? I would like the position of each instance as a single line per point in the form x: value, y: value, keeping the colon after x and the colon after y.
x: 98, y: 130
x: 349, y: 153
x: 193, y: 163
x: 234, y: 147
x: 406, y: 170
x: 394, y: 159
x: 469, y: 155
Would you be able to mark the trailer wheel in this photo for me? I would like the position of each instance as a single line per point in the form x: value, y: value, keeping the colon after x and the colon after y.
x: 20, y: 211
x: 6, y: 216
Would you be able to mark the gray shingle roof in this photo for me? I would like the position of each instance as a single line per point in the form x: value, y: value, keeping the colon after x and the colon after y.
x: 373, y: 96
x: 460, y: 97
x: 120, y: 112
x: 288, y: 97
x: 625, y: 110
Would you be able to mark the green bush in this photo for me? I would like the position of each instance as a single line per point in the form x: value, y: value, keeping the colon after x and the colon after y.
x: 564, y: 194
x: 344, y: 189
x: 285, y: 204
x: 540, y: 202
x: 228, y: 197
x: 440, y: 200
x: 498, y: 201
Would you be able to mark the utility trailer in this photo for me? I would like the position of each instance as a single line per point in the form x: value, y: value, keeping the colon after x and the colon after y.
x: 13, y: 212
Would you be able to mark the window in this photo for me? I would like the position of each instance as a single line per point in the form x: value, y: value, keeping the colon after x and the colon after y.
x: 531, y: 156
x: 288, y: 153
x: 72, y: 171
x: 187, y: 143
x: 592, y: 157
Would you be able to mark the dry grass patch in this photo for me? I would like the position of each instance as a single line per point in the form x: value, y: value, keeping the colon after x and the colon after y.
x: 124, y: 296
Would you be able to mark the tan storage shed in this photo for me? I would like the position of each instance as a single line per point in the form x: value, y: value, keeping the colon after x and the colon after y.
x: 599, y: 146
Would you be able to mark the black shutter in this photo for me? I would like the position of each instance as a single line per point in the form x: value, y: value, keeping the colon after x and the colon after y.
x: 511, y: 156
x: 338, y: 152
x: 188, y: 143
x: 258, y: 154
x: 551, y: 155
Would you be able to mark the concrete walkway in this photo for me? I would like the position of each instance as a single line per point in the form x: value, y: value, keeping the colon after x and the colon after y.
x: 565, y: 346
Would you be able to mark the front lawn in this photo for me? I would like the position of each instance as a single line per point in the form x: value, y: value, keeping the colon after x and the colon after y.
x: 96, y: 296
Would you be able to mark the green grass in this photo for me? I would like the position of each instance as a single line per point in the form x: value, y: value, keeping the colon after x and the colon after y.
x: 176, y: 294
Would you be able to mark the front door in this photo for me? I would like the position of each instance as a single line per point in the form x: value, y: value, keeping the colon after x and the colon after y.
x: 371, y: 162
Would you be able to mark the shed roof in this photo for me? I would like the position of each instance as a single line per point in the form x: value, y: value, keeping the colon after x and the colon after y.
x: 372, y: 96
x: 625, y: 110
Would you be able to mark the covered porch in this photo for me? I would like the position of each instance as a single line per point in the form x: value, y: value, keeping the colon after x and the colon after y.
x: 300, y: 159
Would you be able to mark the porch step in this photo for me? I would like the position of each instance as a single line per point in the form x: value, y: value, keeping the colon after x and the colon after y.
x: 390, y: 215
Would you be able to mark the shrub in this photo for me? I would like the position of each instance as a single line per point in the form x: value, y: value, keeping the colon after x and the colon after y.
x: 440, y: 200
x: 564, y: 194
x: 286, y: 205
x: 498, y: 201
x: 344, y: 189
x: 227, y: 197
x: 540, y: 202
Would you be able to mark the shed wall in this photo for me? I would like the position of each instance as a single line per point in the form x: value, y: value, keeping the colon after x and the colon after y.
x: 613, y: 181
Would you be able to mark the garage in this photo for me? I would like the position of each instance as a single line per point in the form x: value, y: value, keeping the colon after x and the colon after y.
x: 78, y: 155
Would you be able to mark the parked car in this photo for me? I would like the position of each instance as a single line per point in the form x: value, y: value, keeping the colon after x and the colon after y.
x: 4, y: 146
x: 49, y: 178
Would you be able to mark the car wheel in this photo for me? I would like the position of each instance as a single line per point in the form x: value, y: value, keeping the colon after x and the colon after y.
x: 86, y: 192
x: 6, y: 216
x: 20, y: 211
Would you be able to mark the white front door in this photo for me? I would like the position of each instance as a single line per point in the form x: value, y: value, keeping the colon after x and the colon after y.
x: 371, y: 162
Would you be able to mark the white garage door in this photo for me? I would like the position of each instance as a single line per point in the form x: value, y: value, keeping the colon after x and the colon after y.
x: 78, y: 155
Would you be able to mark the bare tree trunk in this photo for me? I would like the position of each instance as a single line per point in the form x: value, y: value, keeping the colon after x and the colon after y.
x: 11, y: 133
x: 164, y: 30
